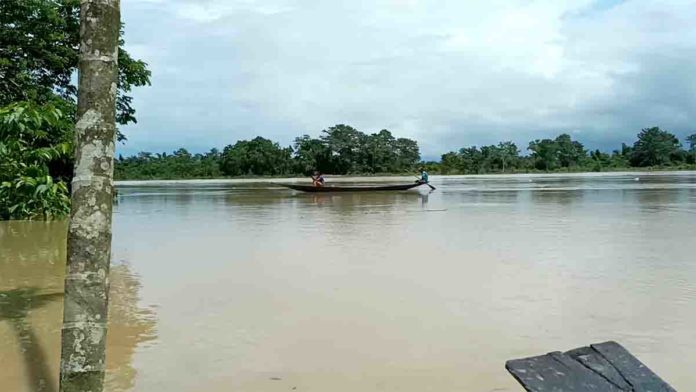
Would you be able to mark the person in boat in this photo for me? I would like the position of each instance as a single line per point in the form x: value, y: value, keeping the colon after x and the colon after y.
x: 423, y: 176
x: 318, y: 179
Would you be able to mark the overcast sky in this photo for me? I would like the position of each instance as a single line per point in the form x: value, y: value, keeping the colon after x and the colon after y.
x: 447, y: 73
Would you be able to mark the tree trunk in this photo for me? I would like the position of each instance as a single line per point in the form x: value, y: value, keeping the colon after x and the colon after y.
x: 89, y: 235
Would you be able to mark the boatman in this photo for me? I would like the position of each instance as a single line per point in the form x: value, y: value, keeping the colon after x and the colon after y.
x: 423, y: 176
x: 317, y: 179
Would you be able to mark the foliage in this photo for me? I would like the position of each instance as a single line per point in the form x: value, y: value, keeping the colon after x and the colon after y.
x: 499, y: 158
x: 27, y: 147
x: 407, y: 155
x: 655, y: 147
x: 544, y: 154
x: 561, y: 152
x: 433, y: 167
x: 131, y: 73
x: 258, y: 156
x: 340, y: 150
x: 600, y: 161
x: 39, y: 42
x: 570, y: 152
x: 39, y: 47
x: 352, y: 151
x: 179, y: 164
x: 508, y: 156
x: 311, y: 154
x: 451, y: 163
x: 346, y: 146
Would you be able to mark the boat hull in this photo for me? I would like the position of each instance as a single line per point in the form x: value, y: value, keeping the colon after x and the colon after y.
x: 331, y: 189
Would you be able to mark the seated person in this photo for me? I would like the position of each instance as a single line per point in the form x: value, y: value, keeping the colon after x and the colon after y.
x: 318, y: 179
x: 423, y: 176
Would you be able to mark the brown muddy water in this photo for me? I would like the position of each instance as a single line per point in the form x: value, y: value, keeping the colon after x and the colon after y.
x: 244, y: 286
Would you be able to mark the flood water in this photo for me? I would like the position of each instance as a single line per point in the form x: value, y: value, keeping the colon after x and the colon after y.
x: 245, y: 286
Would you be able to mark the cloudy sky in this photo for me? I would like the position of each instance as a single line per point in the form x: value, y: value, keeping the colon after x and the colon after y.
x: 449, y: 73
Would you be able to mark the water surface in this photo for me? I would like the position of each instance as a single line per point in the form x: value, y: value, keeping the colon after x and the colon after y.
x: 245, y: 286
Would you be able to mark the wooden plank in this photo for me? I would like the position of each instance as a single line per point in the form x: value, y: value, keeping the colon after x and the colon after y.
x: 557, y: 372
x: 593, y: 360
x: 641, y: 378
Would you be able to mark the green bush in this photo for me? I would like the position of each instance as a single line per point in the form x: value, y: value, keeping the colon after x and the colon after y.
x: 28, y: 144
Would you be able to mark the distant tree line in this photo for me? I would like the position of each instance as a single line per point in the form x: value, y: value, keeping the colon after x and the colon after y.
x: 653, y: 148
x: 179, y: 164
x: 340, y: 149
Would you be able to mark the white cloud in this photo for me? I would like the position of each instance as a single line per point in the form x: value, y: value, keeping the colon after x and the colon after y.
x: 448, y: 73
x: 212, y: 10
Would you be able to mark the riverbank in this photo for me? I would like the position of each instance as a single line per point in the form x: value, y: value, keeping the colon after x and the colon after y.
x: 399, y: 178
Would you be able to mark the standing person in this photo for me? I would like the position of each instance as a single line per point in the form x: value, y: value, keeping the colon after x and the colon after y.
x: 318, y: 179
x: 423, y: 176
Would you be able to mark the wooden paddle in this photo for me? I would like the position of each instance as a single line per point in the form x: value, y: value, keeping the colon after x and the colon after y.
x: 431, y: 187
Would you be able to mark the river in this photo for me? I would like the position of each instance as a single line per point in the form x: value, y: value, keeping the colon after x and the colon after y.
x: 245, y: 286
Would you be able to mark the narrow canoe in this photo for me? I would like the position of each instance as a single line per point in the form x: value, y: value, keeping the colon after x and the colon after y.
x: 312, y: 188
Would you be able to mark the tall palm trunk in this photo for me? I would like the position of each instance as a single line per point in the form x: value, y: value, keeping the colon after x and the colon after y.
x: 89, y: 235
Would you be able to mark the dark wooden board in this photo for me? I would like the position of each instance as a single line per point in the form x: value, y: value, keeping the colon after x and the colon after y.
x: 641, y: 378
x: 593, y: 360
x: 556, y: 372
x: 605, y: 367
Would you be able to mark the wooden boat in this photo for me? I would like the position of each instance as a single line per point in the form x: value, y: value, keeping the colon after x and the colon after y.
x: 327, y: 188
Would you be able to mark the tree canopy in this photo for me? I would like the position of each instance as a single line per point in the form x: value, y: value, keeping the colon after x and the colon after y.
x: 340, y: 149
x: 655, y: 147
x: 179, y: 164
x: 503, y: 157
x: 352, y: 151
x: 39, y: 47
x: 39, y: 44
x: 258, y: 156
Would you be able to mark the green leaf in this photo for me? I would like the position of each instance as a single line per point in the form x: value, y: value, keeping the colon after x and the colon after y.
x: 40, y: 189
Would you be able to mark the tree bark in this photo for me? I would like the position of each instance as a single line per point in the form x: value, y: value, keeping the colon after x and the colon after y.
x: 89, y: 236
